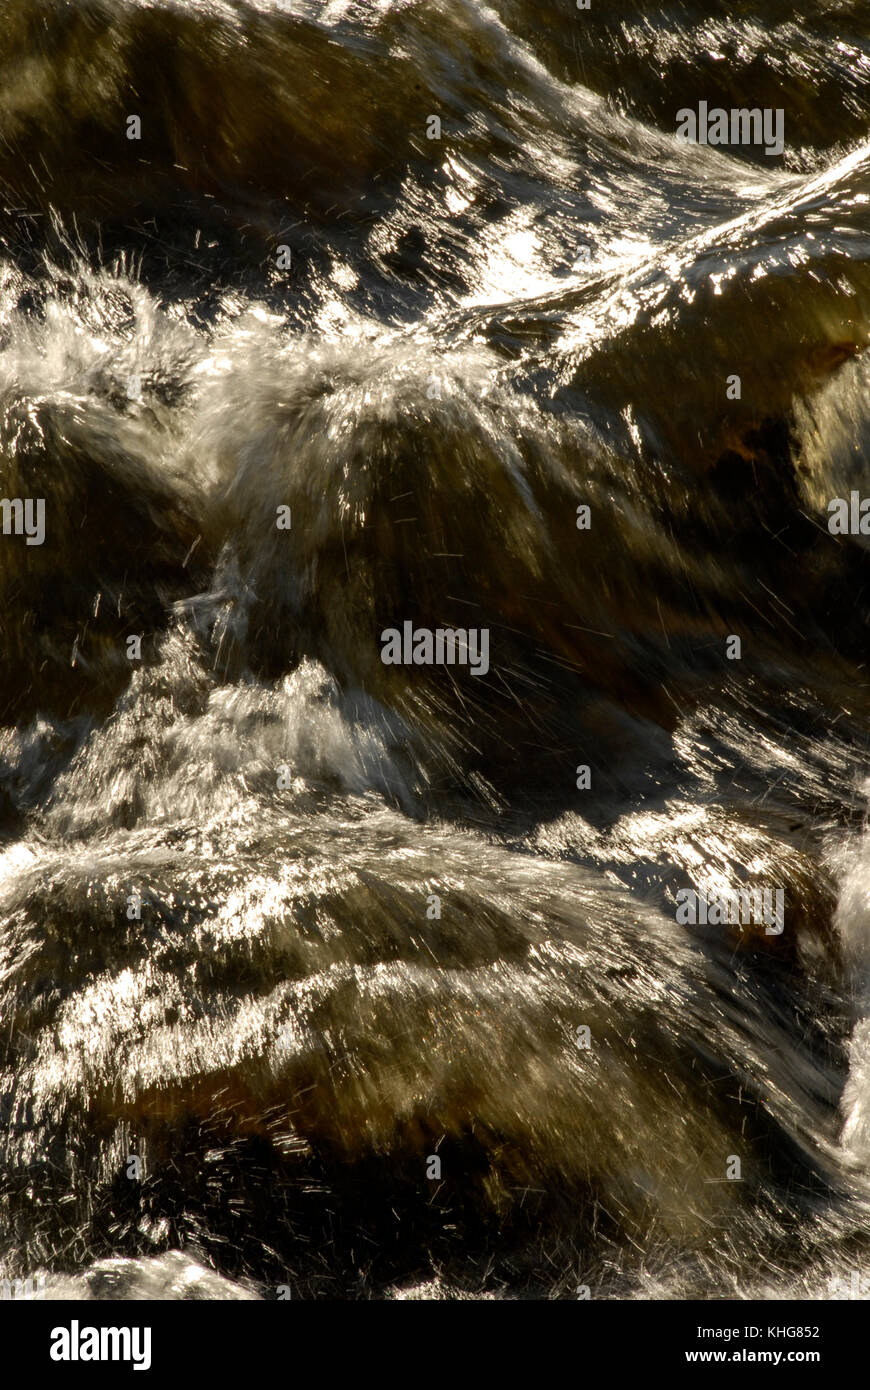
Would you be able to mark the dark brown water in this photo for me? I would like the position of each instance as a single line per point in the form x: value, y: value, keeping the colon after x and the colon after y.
x: 236, y: 1032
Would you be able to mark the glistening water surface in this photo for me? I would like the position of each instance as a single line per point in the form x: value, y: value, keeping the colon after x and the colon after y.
x: 338, y: 334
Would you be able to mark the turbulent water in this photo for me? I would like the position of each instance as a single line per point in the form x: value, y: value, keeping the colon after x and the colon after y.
x: 235, y: 1031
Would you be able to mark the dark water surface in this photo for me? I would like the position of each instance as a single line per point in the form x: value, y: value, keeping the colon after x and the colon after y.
x: 476, y: 334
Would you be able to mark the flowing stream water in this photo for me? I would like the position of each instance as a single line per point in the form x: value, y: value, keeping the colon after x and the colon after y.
x: 291, y: 363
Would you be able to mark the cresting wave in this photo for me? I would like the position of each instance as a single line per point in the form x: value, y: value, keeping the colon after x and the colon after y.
x: 282, y: 921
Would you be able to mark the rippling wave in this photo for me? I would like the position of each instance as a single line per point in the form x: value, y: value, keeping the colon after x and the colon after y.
x: 338, y: 977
